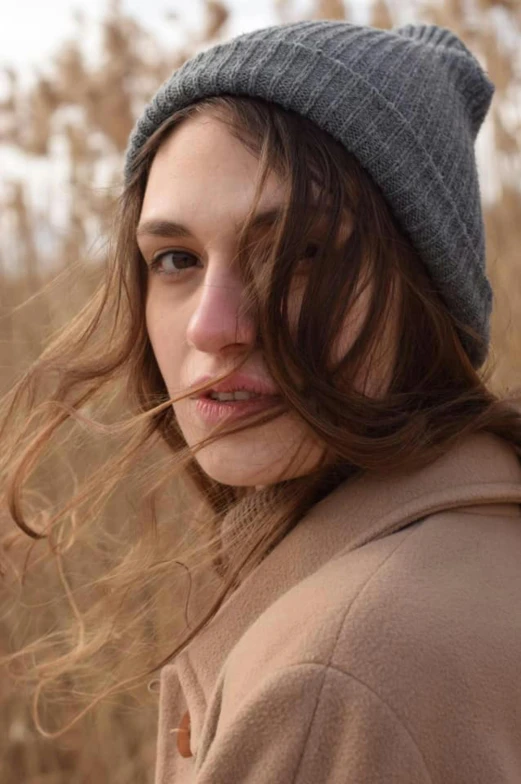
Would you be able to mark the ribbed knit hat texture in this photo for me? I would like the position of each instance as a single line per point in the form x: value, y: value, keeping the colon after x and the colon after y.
x: 407, y: 103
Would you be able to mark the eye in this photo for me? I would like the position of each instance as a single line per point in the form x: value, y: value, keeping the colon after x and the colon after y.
x: 181, y: 260
x: 311, y: 250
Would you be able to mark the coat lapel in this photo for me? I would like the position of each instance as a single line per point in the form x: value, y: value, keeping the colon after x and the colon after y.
x: 480, y: 470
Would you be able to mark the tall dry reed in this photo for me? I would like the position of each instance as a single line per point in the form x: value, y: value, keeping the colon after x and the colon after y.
x: 48, y: 270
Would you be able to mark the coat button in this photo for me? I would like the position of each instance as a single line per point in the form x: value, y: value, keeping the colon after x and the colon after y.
x: 183, y: 736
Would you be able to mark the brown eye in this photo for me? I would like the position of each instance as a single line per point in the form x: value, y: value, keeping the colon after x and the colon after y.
x: 311, y: 250
x: 180, y: 261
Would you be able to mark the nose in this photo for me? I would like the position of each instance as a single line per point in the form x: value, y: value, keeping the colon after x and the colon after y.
x: 221, y: 318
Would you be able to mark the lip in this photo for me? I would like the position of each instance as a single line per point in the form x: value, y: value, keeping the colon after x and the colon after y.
x: 213, y: 411
x: 236, y: 382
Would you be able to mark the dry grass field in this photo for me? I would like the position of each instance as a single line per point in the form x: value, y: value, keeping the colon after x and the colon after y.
x: 79, y: 115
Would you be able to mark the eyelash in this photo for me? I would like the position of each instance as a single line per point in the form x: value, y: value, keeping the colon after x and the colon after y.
x: 154, y: 265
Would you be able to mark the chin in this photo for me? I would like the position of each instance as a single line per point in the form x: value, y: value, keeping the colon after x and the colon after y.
x: 255, y: 464
x: 232, y: 470
x: 264, y: 455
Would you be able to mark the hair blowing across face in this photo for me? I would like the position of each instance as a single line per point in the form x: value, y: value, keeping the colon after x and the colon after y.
x: 432, y: 397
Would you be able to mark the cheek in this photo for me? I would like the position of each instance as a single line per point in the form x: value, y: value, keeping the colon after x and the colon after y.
x: 165, y: 332
x: 352, y: 325
x: 375, y: 373
x: 154, y: 331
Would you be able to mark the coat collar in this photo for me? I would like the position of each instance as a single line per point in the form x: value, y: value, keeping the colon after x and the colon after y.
x: 482, y: 469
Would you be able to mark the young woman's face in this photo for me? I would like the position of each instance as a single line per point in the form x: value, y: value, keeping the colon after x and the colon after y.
x: 200, y: 188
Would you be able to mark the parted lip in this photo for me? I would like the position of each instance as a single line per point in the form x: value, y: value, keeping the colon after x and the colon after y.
x: 237, y: 382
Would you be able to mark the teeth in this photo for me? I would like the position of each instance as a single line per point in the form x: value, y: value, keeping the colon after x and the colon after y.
x: 239, y: 395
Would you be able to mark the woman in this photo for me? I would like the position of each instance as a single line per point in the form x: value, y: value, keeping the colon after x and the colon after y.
x: 301, y: 315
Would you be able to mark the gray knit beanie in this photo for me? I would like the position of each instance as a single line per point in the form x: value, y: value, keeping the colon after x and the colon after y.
x: 407, y: 103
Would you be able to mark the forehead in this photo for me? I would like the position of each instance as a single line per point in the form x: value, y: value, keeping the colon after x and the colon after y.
x: 204, y: 179
x: 201, y: 158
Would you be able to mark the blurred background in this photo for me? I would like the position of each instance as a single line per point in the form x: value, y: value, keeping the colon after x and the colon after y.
x: 73, y: 78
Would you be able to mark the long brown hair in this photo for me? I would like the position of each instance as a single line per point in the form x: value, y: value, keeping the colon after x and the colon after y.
x: 102, y: 363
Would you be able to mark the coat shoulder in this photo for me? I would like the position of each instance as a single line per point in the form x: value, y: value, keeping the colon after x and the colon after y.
x: 424, y: 617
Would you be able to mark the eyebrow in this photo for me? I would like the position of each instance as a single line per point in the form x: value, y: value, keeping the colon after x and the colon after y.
x: 161, y: 227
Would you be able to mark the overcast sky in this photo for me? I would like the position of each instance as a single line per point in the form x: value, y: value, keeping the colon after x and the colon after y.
x: 30, y: 30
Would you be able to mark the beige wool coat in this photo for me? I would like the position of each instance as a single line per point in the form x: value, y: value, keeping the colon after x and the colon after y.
x: 378, y: 643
